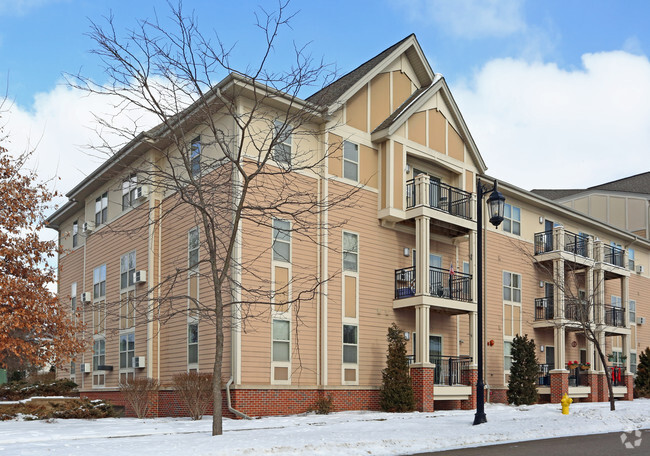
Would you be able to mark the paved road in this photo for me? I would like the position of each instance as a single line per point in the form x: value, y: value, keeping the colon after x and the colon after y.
x: 591, y: 445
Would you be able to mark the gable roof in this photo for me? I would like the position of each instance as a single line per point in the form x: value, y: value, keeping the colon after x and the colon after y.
x: 639, y: 183
x: 554, y: 194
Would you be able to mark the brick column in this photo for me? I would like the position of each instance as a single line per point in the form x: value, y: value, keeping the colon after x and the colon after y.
x: 472, y: 378
x: 629, y: 382
x: 559, y: 384
x: 592, y: 381
x: 603, y: 391
x: 422, y: 378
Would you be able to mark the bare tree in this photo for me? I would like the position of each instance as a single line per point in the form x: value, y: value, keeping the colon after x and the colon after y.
x: 258, y: 157
x: 576, y: 285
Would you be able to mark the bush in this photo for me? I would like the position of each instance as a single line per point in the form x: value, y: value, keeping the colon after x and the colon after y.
x: 396, y: 389
x: 22, y: 389
x: 195, y: 389
x: 524, y: 372
x: 138, y: 392
x: 324, y: 405
x: 57, y: 408
x: 642, y: 380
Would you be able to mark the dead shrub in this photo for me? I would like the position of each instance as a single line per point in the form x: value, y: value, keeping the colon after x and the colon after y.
x: 195, y: 389
x: 139, y: 392
x: 324, y: 405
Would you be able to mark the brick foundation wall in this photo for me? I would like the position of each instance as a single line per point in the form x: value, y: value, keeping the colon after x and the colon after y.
x: 472, y: 378
x: 499, y: 396
x: 422, y: 378
x: 559, y: 385
x: 629, y: 380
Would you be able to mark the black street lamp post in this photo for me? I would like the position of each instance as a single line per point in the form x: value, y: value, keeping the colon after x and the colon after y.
x: 496, y: 203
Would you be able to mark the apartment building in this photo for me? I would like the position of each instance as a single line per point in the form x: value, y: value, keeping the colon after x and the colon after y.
x: 404, y: 252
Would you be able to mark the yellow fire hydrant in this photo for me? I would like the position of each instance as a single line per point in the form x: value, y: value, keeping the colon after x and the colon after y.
x: 566, y: 401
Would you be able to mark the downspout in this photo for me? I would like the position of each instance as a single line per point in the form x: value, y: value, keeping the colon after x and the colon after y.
x: 232, y: 410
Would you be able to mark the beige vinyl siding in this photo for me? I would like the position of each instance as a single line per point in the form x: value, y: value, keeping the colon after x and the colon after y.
x: 356, y: 111
x: 379, y: 99
x: 401, y: 89
x: 417, y: 129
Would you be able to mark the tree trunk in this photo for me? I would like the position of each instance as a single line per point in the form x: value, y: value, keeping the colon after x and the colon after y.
x: 217, y: 401
x: 610, y: 386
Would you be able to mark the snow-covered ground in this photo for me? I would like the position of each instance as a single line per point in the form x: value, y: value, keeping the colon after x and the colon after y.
x: 355, y: 433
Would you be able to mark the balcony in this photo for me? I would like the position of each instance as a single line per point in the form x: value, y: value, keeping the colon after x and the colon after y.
x: 544, y: 309
x: 574, y: 310
x: 451, y: 370
x: 615, y: 316
x: 617, y: 374
x: 442, y: 197
x: 614, y: 255
x: 560, y: 240
x: 442, y: 284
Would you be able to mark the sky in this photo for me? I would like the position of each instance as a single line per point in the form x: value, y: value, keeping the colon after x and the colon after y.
x: 555, y: 93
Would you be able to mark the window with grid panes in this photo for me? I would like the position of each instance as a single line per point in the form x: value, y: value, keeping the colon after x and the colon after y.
x: 281, y: 240
x: 75, y: 233
x: 195, y: 156
x: 350, y: 252
x: 127, y: 350
x: 511, y: 219
x: 281, y: 340
x: 351, y: 161
x: 193, y: 247
x: 350, y: 344
x: 282, y: 150
x: 99, y: 282
x: 192, y: 343
x: 101, y: 209
x: 128, y: 191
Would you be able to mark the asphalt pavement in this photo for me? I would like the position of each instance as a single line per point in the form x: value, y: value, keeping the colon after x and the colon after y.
x: 613, y: 444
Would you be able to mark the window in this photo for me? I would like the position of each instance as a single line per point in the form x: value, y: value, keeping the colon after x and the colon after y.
x: 351, y: 161
x: 192, y: 343
x: 195, y: 156
x: 350, y: 252
x: 511, y: 287
x: 99, y: 353
x: 73, y: 368
x: 632, y: 310
x: 281, y: 240
x: 75, y: 233
x: 129, y: 186
x: 127, y: 350
x: 101, y: 209
x: 193, y: 247
x: 99, y: 282
x: 281, y: 344
x: 73, y: 301
x: 630, y: 259
x: 633, y: 363
x: 127, y: 270
x: 512, y: 219
x: 350, y: 344
x: 507, y: 355
x: 282, y: 151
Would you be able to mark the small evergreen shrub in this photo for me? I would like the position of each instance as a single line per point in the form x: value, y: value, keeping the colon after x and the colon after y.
x: 524, y: 372
x: 22, y: 389
x: 57, y: 408
x: 139, y: 392
x: 324, y: 405
x: 396, y: 388
x: 195, y: 390
x: 642, y: 380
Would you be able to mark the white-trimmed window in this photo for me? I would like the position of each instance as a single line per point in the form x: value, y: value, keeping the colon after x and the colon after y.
x: 281, y: 340
x: 127, y: 270
x: 128, y: 191
x: 193, y: 345
x: 351, y: 161
x: 281, y: 240
x: 75, y: 233
x: 99, y: 282
x: 73, y: 301
x: 73, y: 370
x: 127, y: 350
x: 101, y: 209
x: 633, y: 363
x: 511, y: 287
x: 630, y: 259
x: 507, y: 355
x: 282, y: 150
x: 193, y: 248
x: 195, y: 156
x: 512, y: 219
x: 99, y: 359
x: 350, y: 344
x: 350, y: 252
x: 632, y: 311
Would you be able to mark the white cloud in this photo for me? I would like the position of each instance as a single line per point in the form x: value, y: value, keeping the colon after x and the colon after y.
x: 470, y: 18
x: 539, y: 126
x: 21, y: 7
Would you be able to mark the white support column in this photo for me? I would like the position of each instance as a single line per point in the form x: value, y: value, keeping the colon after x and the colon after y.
x: 422, y: 245
x: 422, y: 337
x: 601, y: 341
x: 590, y: 293
x: 590, y: 354
x: 472, y: 264
x: 559, y: 295
x: 625, y: 341
x: 473, y: 345
x: 625, y: 298
x: 560, y: 347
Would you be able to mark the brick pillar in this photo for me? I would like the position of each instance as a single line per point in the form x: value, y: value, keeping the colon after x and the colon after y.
x: 592, y: 381
x: 559, y: 384
x: 472, y: 378
x: 629, y: 381
x: 422, y: 378
x: 603, y: 391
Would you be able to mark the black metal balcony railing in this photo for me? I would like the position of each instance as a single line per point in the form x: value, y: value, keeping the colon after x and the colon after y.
x: 577, y: 376
x: 613, y: 255
x: 576, y: 310
x: 615, y: 316
x: 544, y: 376
x: 442, y: 284
x: 573, y: 243
x: 544, y: 308
x: 451, y: 370
x: 617, y: 374
x: 442, y: 197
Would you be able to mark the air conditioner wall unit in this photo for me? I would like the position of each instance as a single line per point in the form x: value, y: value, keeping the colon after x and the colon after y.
x: 640, y: 320
x: 140, y: 276
x: 87, y: 228
x: 85, y: 368
x: 640, y: 269
x: 86, y: 296
x: 139, y: 361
